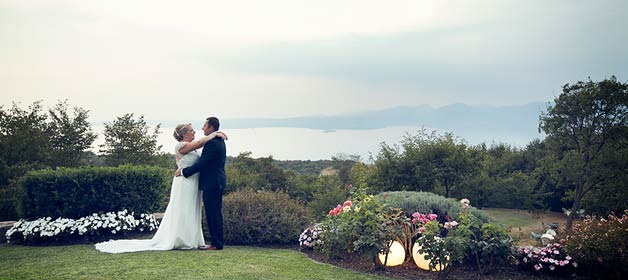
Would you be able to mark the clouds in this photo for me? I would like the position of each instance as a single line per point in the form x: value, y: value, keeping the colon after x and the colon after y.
x: 520, y: 53
x: 242, y: 59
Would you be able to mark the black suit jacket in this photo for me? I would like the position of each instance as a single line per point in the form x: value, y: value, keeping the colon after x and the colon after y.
x: 211, y: 166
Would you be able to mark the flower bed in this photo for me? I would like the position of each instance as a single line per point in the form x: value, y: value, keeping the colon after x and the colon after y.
x: 552, y: 258
x: 94, y: 227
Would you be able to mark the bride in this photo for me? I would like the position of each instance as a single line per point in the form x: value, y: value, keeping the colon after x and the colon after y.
x: 180, y: 226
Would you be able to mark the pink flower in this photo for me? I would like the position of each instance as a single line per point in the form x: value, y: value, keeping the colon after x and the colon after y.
x: 538, y: 266
x: 432, y: 216
x: 552, y: 267
x: 347, y: 203
x: 416, y: 214
x: 421, y: 229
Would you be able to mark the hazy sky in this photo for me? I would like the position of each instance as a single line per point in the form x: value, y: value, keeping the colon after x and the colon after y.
x: 190, y: 59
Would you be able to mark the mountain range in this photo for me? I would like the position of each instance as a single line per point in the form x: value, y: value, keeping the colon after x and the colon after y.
x: 517, y: 122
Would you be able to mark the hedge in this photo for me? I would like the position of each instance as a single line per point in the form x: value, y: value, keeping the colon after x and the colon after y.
x: 78, y: 192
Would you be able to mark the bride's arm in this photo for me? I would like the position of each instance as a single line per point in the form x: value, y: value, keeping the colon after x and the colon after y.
x: 200, y: 142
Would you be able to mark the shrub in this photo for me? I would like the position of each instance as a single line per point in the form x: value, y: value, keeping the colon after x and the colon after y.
x: 362, y: 225
x: 263, y: 217
x: 329, y: 192
x: 8, y: 205
x: 426, y: 202
x: 78, y: 192
x: 600, y: 246
x: 485, y: 245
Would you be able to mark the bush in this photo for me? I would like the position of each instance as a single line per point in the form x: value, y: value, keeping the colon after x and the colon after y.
x: 78, y: 192
x: 8, y: 203
x: 263, y: 217
x: 468, y: 240
x: 426, y: 202
x: 361, y: 225
x: 600, y: 246
x: 328, y: 194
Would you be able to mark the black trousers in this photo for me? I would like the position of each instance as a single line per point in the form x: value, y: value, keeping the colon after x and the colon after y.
x: 212, y: 200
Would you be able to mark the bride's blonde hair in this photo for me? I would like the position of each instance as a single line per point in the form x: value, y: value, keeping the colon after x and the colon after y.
x: 180, y: 130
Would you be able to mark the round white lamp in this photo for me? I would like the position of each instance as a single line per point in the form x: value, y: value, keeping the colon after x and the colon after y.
x: 396, y: 255
x: 421, y: 262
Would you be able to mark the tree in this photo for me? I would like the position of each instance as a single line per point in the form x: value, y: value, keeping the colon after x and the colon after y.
x: 24, y: 146
x: 258, y: 174
x: 343, y: 164
x: 450, y: 163
x: 23, y: 137
x: 588, y: 128
x: 428, y: 162
x: 70, y: 136
x: 128, y: 141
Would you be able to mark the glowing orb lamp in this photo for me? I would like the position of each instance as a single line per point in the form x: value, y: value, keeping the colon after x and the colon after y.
x: 421, y: 262
x: 396, y: 255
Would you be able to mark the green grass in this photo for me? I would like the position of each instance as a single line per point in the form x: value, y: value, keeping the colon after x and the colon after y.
x: 510, y: 218
x: 234, y: 262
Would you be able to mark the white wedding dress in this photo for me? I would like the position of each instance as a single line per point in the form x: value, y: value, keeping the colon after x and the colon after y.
x: 180, y: 226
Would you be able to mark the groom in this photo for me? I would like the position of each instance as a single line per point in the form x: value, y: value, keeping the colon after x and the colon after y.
x: 212, y: 181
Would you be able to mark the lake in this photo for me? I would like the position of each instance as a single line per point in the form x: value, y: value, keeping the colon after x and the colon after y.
x: 311, y: 144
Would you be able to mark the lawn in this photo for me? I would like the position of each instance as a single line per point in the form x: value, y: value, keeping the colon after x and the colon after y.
x: 522, y: 222
x: 235, y: 262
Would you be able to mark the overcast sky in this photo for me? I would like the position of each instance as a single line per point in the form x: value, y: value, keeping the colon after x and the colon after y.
x: 235, y: 59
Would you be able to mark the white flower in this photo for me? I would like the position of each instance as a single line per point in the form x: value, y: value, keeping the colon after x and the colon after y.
x: 46, y: 227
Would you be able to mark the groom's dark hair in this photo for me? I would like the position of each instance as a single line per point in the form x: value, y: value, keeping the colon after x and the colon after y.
x: 213, y: 121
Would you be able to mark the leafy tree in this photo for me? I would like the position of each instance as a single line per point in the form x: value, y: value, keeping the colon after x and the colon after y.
x: 448, y: 161
x: 504, y: 178
x: 23, y: 138
x: 258, y: 174
x: 128, y: 141
x: 70, y: 136
x: 588, y: 127
x: 429, y: 162
x: 343, y: 164
x: 24, y: 146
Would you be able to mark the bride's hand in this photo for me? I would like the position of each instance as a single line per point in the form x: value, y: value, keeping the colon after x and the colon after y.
x: 221, y: 135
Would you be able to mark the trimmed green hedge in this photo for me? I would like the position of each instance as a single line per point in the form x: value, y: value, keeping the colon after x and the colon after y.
x: 427, y: 202
x: 78, y: 192
x: 263, y: 217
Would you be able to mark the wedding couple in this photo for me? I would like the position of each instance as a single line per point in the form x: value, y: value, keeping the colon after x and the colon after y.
x: 203, y: 175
